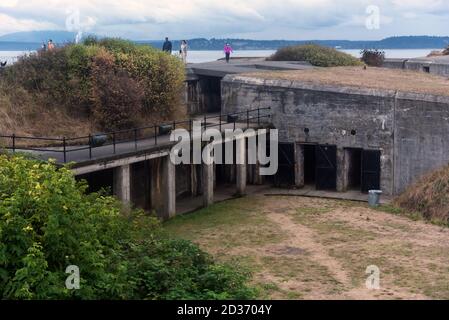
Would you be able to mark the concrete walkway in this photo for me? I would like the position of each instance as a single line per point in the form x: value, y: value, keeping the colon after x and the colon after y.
x: 237, y: 66
x: 124, y: 149
x: 223, y: 193
x: 310, y: 191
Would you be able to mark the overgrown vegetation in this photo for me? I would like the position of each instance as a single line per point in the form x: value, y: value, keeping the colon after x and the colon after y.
x: 48, y: 223
x: 373, y: 58
x: 100, y: 85
x: 429, y: 196
x: 317, y: 55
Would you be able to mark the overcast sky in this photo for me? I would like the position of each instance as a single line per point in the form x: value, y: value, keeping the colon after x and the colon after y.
x: 257, y: 19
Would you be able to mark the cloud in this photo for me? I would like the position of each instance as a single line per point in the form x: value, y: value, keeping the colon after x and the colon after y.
x: 150, y: 19
x: 10, y: 24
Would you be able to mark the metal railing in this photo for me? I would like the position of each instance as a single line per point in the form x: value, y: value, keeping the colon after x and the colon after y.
x: 65, y: 146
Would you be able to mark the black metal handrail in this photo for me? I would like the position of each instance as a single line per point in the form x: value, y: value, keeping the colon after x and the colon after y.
x: 68, y: 145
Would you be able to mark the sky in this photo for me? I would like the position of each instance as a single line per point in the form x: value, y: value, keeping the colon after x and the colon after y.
x: 250, y: 19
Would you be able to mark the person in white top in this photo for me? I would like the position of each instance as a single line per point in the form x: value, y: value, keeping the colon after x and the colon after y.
x: 183, y: 51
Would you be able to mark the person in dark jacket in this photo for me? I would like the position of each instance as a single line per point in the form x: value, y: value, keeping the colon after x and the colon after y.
x: 167, y: 47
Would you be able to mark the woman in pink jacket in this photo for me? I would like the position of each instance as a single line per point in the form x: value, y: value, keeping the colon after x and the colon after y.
x: 228, y: 50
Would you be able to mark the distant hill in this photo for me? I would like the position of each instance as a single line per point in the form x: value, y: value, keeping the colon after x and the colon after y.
x: 409, y: 42
x: 33, y: 39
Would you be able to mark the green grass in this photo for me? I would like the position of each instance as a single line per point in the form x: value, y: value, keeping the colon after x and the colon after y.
x: 228, y: 224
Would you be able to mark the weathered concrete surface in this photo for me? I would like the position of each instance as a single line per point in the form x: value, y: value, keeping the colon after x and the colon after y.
x: 122, y: 183
x: 241, y: 165
x: 169, y: 182
x: 208, y: 184
x: 299, y: 165
x: 410, y: 130
x: 438, y: 65
x: 203, y: 79
x: 421, y: 136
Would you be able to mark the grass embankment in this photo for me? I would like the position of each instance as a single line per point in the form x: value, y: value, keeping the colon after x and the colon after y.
x: 429, y: 197
x: 316, y: 55
x: 303, y: 248
x: 97, y: 86
x: 371, y: 78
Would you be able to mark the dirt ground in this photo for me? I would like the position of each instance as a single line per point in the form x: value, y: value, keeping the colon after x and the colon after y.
x: 306, y: 248
x: 375, y: 78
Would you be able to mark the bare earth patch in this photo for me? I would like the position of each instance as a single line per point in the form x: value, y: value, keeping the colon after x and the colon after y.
x: 303, y: 248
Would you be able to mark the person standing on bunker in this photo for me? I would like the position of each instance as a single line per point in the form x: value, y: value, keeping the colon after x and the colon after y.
x: 167, y: 47
x: 50, y: 45
x: 228, y: 50
x: 183, y: 51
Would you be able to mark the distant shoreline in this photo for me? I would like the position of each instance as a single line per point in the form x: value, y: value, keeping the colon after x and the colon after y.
x: 200, y: 44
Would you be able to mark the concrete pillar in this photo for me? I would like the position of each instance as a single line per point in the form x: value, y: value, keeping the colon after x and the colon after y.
x: 299, y: 165
x: 258, y: 179
x: 169, y: 178
x: 342, y: 170
x: 208, y: 184
x: 241, y: 167
x: 122, y: 183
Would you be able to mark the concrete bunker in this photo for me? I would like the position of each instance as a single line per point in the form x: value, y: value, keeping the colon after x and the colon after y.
x: 203, y: 94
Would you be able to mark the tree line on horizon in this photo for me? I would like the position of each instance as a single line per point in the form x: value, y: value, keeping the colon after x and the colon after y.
x: 23, y: 41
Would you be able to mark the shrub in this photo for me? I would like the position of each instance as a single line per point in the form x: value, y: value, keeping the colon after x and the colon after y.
x: 316, y: 55
x: 429, y: 196
x: 446, y: 51
x: 47, y: 223
x: 373, y: 58
x: 106, y: 84
x: 116, y: 98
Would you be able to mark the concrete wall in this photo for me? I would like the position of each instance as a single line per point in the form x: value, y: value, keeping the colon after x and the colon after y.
x: 330, y: 114
x: 434, y: 67
x: 421, y: 138
x: 203, y: 95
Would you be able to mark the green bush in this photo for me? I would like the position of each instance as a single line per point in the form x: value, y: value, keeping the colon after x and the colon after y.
x: 47, y: 223
x: 316, y: 55
x: 373, y: 58
x: 74, y: 80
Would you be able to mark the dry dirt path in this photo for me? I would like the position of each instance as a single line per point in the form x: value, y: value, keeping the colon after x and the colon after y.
x: 303, y: 248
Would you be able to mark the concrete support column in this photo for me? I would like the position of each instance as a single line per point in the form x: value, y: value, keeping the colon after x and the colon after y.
x: 208, y: 184
x: 241, y: 167
x: 169, y: 178
x: 299, y: 165
x: 122, y: 183
x: 342, y: 170
x: 257, y: 178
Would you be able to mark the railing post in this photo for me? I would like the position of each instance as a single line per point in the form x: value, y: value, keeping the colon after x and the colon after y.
x: 135, y: 139
x: 64, y: 146
x: 13, y: 143
x: 191, y: 127
x: 205, y: 122
x: 220, y: 122
x: 90, y: 146
x: 258, y: 117
x: 174, y: 125
x: 155, y: 135
x: 114, y: 142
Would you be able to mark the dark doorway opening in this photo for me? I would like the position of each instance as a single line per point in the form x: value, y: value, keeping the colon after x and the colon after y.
x: 354, y: 163
x: 99, y: 180
x: 285, y: 176
x: 140, y: 185
x: 326, y: 167
x: 370, y: 170
x: 309, y: 164
x: 211, y: 91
